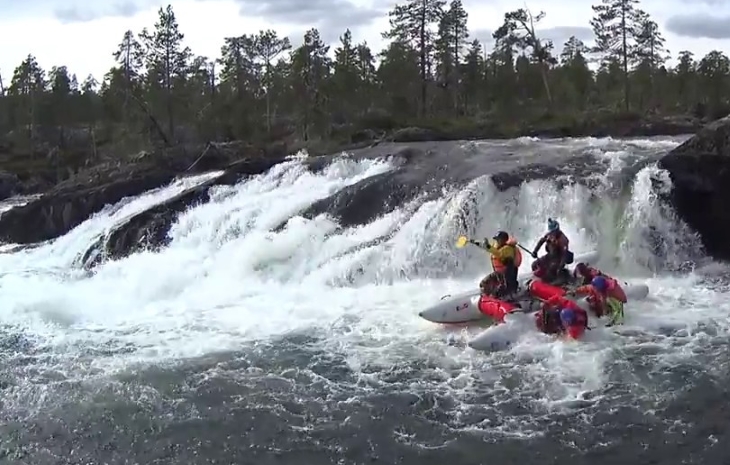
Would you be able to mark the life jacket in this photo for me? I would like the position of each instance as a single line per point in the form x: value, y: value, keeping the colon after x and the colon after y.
x: 547, y: 320
x: 577, y: 329
x: 557, y: 242
x: 497, y: 264
x: 614, y: 290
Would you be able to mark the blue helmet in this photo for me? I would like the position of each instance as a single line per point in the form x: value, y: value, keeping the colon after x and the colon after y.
x: 568, y: 316
x: 552, y: 225
x: 600, y: 283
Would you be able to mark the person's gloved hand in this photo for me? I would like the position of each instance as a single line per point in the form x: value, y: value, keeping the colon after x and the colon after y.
x: 486, y: 243
x: 534, y: 253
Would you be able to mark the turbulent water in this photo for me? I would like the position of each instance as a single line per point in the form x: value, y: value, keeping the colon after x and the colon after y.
x: 248, y: 344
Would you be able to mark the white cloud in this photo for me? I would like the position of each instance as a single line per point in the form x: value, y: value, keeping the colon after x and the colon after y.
x: 86, y: 46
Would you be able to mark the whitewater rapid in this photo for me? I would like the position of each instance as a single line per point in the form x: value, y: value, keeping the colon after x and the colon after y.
x: 230, y: 282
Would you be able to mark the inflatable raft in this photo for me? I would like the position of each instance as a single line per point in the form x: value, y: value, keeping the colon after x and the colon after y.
x: 515, y: 324
x: 471, y: 306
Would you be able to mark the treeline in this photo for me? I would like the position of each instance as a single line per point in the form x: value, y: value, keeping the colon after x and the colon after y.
x: 431, y: 72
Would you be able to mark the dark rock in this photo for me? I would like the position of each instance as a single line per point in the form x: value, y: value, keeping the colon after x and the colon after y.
x: 424, y: 170
x: 414, y: 134
x: 9, y: 185
x: 74, y: 200
x: 149, y: 229
x: 146, y: 230
x: 700, y: 174
x: 59, y: 211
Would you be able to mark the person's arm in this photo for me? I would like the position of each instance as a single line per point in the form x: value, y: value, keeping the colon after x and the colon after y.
x: 582, y: 290
x: 489, y: 248
x: 539, y: 244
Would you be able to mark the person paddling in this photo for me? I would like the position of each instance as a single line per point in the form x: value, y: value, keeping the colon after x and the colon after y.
x: 506, y: 259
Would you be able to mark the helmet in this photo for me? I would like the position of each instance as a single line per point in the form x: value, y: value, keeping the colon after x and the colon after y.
x: 567, y: 316
x: 552, y: 225
x: 501, y: 236
x: 600, y: 283
x: 581, y: 268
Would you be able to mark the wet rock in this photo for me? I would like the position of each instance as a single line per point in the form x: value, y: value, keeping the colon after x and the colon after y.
x: 424, y: 170
x: 149, y: 229
x: 9, y: 185
x: 73, y: 201
x: 700, y: 174
x: 62, y: 209
x: 145, y: 230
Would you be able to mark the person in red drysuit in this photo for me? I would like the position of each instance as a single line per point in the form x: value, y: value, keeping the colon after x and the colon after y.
x: 584, y: 275
x: 562, y: 316
x: 551, y: 266
x: 603, y: 302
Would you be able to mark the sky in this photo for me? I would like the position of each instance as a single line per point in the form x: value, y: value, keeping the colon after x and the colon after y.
x: 83, y: 34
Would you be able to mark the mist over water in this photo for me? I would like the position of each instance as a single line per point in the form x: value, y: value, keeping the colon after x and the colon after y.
x: 306, y: 342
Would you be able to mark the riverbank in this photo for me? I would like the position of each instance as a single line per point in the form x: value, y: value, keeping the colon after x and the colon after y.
x: 89, y: 159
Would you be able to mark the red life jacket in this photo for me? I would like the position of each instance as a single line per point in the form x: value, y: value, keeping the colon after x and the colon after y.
x: 557, y: 242
x: 577, y: 329
x: 548, y: 321
x: 614, y: 290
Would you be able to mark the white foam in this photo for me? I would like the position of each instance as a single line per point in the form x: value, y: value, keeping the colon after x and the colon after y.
x: 228, y: 281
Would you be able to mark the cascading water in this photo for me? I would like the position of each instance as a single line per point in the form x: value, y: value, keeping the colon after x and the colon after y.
x: 304, y: 341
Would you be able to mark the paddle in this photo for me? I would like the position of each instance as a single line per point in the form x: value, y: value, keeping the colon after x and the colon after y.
x: 461, y: 242
x: 533, y: 255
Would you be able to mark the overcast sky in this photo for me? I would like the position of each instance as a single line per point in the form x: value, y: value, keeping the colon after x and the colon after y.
x: 83, y: 34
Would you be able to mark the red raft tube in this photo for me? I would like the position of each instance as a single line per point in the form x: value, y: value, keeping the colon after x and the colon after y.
x: 544, y: 291
x: 497, y: 309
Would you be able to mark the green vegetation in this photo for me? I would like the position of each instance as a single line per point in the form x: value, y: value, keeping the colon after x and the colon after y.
x: 430, y: 75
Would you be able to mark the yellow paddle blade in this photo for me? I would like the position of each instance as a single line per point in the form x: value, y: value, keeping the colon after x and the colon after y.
x: 461, y: 241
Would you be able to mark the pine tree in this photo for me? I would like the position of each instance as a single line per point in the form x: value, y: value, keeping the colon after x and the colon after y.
x: 167, y: 60
x: 130, y: 59
x: 345, y: 79
x: 615, y: 26
x: 26, y: 90
x: 518, y: 30
x: 577, y: 75
x: 450, y: 44
x: 268, y: 47
x: 412, y: 24
x: 310, y: 74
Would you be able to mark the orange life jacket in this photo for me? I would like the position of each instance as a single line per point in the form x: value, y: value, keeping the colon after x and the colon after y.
x: 497, y: 264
